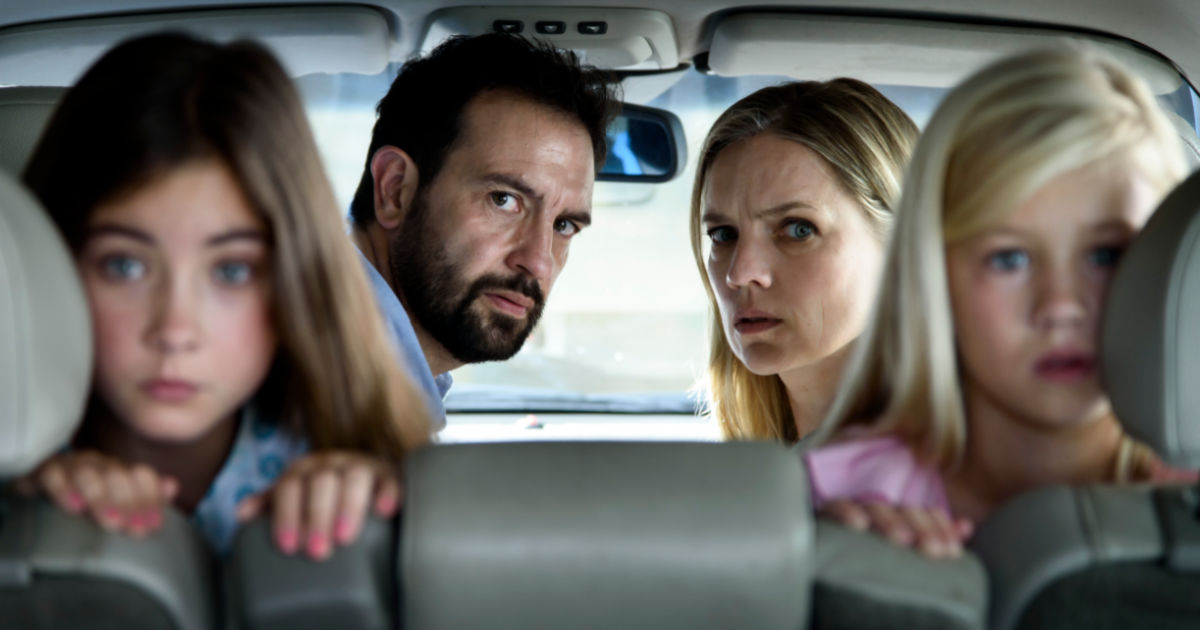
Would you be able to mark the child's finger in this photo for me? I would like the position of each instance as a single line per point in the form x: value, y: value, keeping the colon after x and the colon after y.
x: 146, y: 515
x: 926, y: 537
x: 286, y: 501
x: 321, y: 501
x: 388, y: 496
x: 168, y: 487
x: 121, y: 497
x: 53, y: 480
x: 848, y: 513
x: 886, y: 521
x: 948, y: 533
x: 358, y: 482
x: 88, y: 479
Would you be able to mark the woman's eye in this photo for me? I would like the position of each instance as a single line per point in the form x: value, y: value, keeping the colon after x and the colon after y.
x: 503, y: 200
x: 722, y: 234
x: 799, y: 230
x: 123, y: 268
x: 1105, y: 256
x: 565, y: 227
x: 233, y: 273
x: 1008, y: 260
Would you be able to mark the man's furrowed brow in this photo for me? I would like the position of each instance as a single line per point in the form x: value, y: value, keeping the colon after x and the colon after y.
x: 514, y: 182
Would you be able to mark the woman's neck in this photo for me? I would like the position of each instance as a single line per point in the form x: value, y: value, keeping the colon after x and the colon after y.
x: 811, y: 389
x: 1007, y: 454
x: 193, y: 464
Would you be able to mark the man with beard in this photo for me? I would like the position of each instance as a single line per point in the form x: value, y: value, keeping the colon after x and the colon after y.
x: 479, y: 173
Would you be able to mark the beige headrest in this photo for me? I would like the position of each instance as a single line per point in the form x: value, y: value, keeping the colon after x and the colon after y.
x: 23, y: 114
x: 1151, y: 339
x: 45, y: 334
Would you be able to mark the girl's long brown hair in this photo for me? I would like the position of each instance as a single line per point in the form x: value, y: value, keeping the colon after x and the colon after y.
x: 155, y: 103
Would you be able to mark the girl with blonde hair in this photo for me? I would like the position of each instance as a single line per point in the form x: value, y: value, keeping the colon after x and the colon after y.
x: 239, y: 353
x: 977, y: 377
x: 794, y: 192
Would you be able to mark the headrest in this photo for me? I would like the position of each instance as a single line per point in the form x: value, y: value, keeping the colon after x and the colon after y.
x: 1150, y: 345
x: 622, y: 535
x: 45, y: 334
x: 23, y: 114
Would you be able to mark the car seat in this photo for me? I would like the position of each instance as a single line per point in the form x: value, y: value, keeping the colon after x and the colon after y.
x: 1107, y: 556
x: 606, y: 535
x: 23, y: 114
x: 57, y: 570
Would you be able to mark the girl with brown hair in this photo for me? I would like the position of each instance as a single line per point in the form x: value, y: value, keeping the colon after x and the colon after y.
x: 234, y: 329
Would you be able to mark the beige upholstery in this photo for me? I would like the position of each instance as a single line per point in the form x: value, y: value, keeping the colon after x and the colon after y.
x: 23, y: 114
x: 45, y: 334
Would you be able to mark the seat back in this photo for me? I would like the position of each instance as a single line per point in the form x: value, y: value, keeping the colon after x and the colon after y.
x: 864, y: 581
x: 23, y: 114
x: 57, y: 570
x: 1113, y: 556
x: 606, y: 535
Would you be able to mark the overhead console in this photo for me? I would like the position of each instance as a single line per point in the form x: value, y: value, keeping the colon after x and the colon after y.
x: 615, y: 39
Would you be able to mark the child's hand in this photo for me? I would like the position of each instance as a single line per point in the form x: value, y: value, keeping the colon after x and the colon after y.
x: 323, y: 498
x: 929, y: 530
x: 118, y: 495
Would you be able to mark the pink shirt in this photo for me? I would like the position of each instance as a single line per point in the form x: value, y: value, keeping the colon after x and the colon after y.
x: 877, y: 468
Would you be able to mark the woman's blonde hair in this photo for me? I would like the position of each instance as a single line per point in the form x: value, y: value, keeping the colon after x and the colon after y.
x: 156, y: 103
x: 865, y: 139
x: 995, y: 140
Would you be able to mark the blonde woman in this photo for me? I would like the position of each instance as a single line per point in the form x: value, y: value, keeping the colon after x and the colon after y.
x: 239, y: 353
x: 791, y: 208
x: 977, y: 378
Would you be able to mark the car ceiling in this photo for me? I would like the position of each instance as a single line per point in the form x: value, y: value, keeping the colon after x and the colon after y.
x: 1170, y: 27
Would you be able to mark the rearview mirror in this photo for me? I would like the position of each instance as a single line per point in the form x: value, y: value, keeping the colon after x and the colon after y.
x: 645, y: 144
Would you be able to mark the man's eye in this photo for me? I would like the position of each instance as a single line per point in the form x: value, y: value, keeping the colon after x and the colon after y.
x: 504, y: 201
x: 566, y: 227
x: 123, y: 268
x: 722, y: 234
x: 1008, y: 260
x: 799, y: 230
x: 233, y: 273
x: 1105, y: 256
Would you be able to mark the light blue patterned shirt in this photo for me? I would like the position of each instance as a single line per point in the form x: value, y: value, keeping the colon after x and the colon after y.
x: 261, y: 452
x: 405, y: 339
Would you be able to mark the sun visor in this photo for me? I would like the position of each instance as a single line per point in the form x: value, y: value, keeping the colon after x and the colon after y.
x: 614, y: 39
x: 894, y: 51
x: 307, y: 40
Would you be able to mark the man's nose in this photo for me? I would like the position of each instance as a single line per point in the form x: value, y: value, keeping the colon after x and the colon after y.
x: 534, y: 251
x: 173, y: 323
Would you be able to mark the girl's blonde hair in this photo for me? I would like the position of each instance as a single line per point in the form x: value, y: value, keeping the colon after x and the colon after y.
x: 996, y: 139
x: 866, y: 140
x: 156, y: 103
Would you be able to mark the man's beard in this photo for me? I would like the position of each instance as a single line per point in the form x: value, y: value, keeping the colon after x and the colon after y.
x: 442, y: 301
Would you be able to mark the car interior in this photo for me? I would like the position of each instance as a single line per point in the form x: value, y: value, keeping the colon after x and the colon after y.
x: 577, y: 485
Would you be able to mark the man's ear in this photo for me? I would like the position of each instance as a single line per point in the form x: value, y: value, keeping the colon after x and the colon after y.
x: 396, y: 182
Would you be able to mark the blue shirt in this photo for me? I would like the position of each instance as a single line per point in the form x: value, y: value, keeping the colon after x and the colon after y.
x: 405, y: 338
x: 261, y: 451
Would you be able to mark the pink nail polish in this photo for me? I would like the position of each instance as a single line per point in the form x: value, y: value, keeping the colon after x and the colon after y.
x: 318, y: 545
x: 287, y: 539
